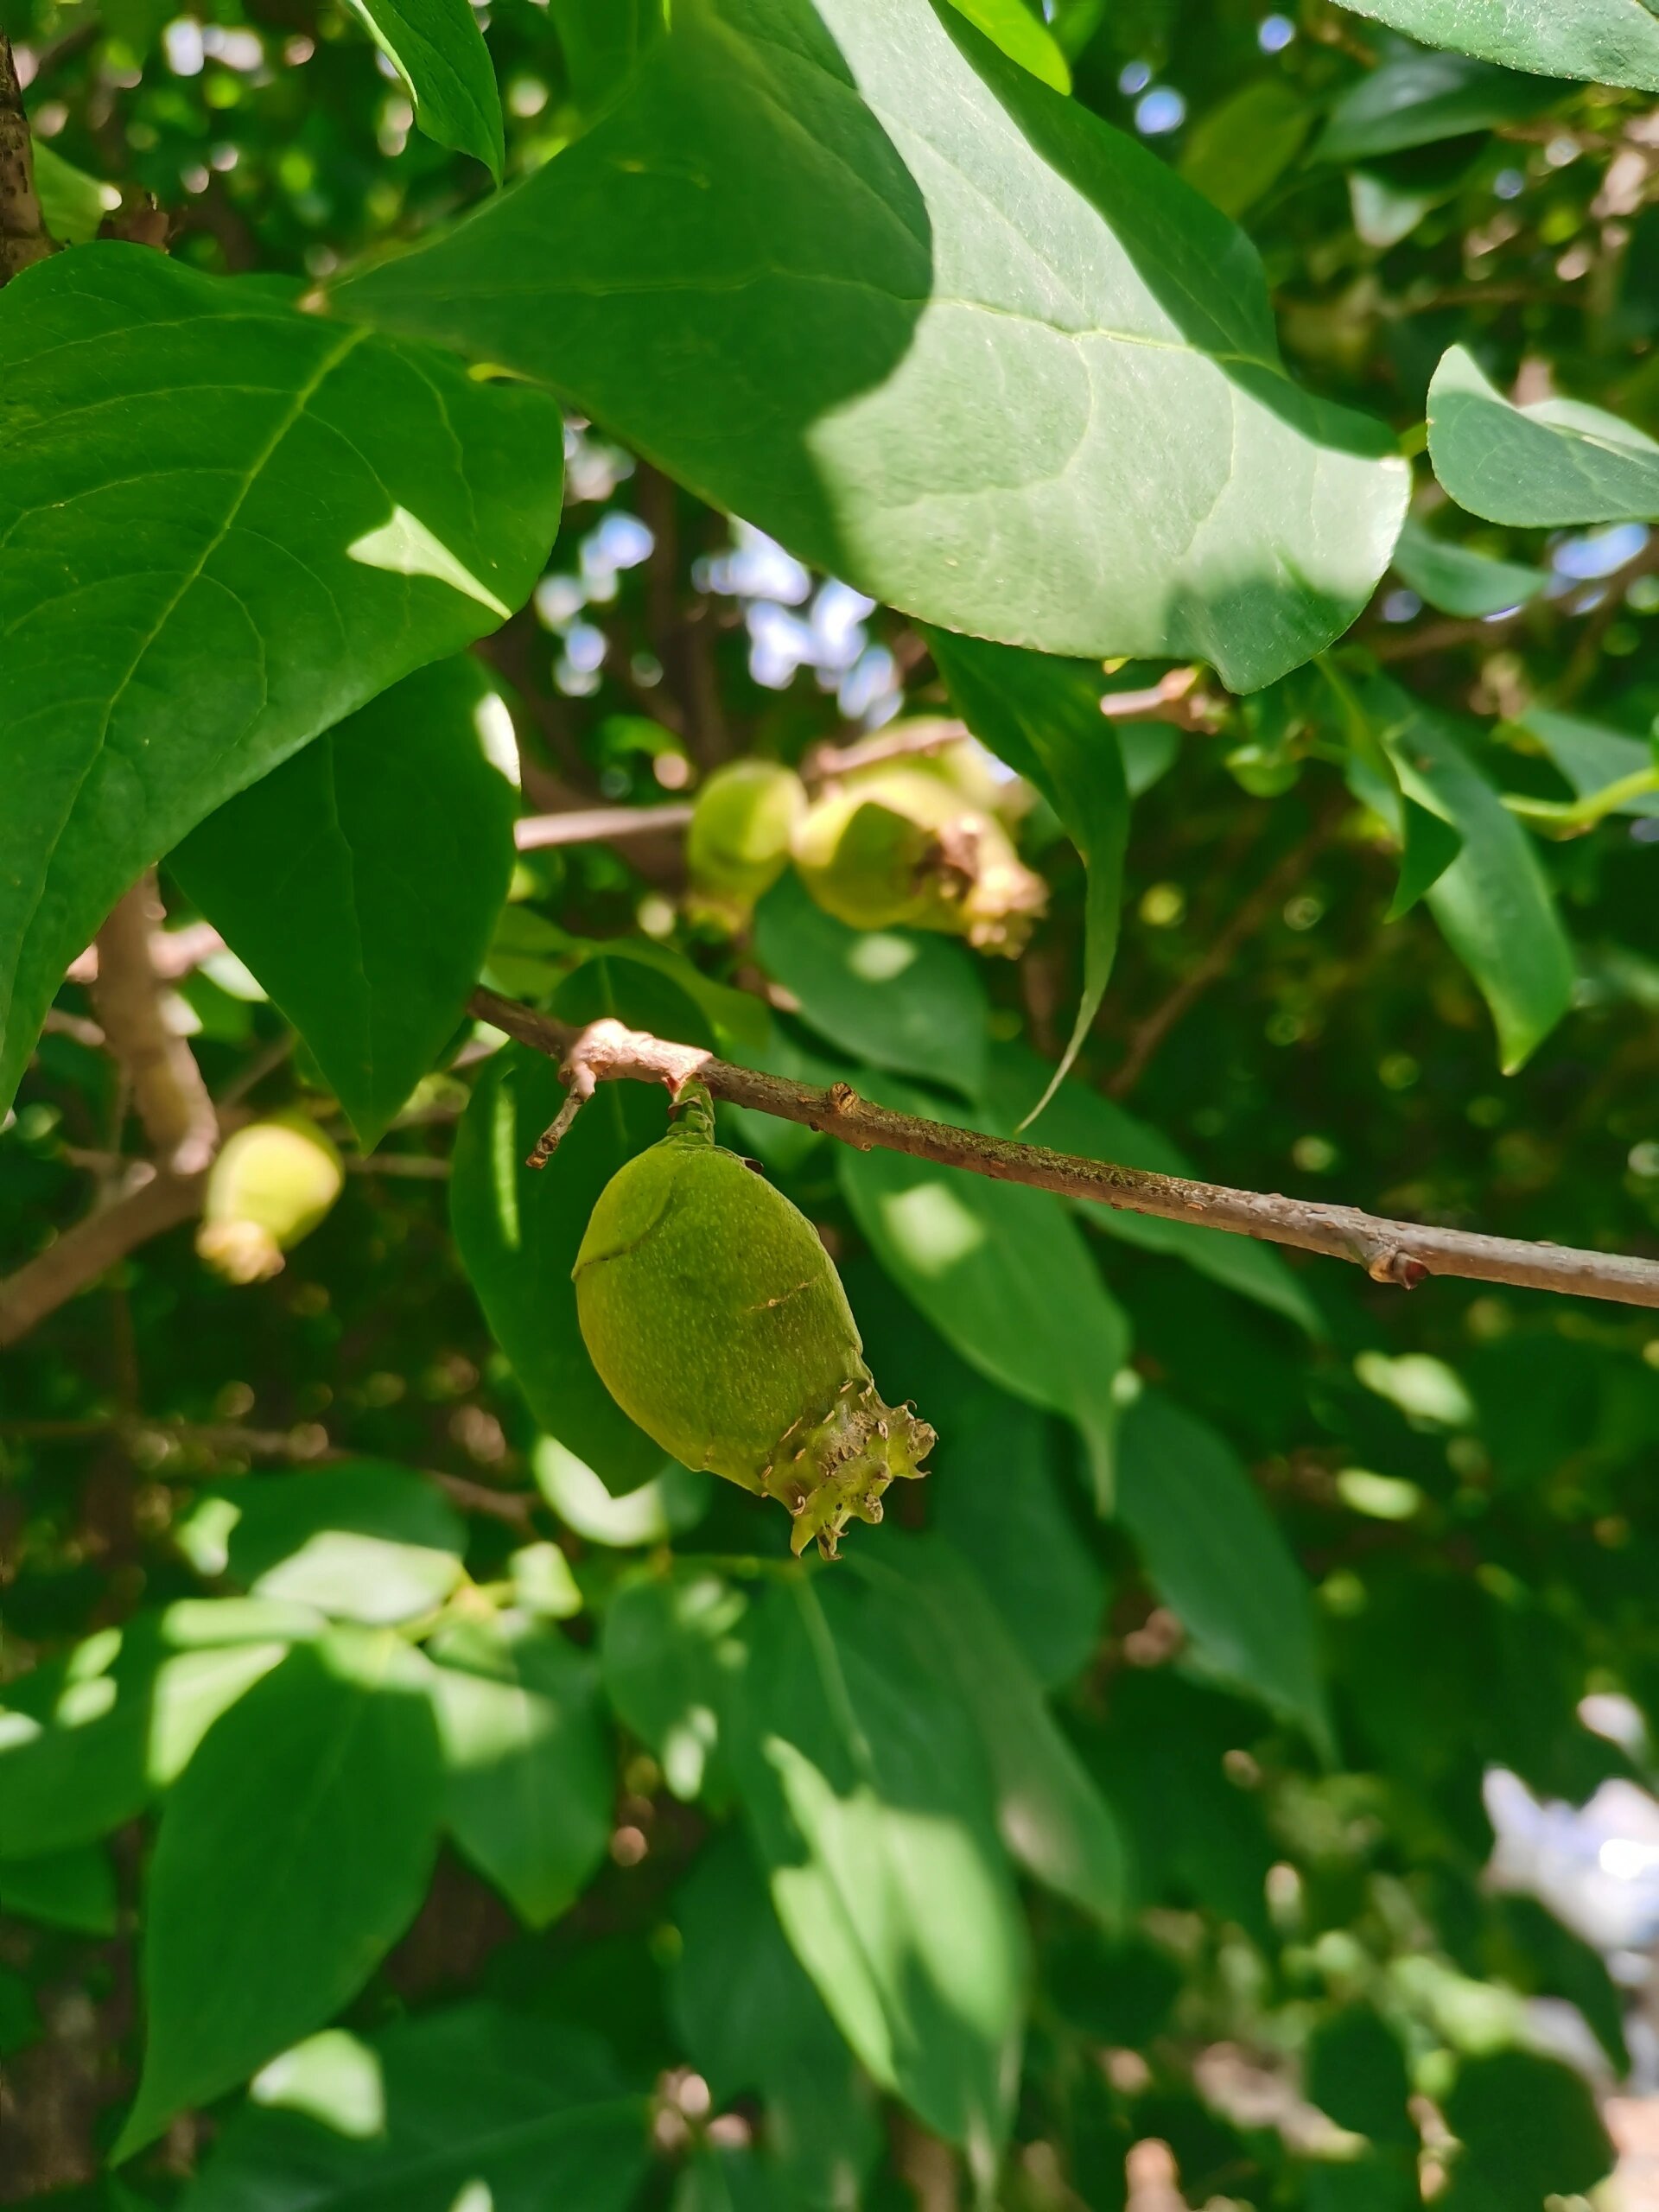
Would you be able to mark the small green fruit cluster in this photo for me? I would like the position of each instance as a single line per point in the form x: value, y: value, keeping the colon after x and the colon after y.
x: 922, y: 842
x: 716, y: 1320
x: 270, y: 1185
x: 742, y: 827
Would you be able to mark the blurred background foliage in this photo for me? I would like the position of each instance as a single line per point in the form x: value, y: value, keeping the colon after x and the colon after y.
x: 1171, y: 1828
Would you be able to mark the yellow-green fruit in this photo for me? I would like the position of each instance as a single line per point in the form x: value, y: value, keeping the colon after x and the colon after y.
x: 741, y: 828
x: 716, y: 1320
x: 900, y: 845
x: 270, y: 1185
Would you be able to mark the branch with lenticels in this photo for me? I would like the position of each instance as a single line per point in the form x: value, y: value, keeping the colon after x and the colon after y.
x: 1399, y: 1252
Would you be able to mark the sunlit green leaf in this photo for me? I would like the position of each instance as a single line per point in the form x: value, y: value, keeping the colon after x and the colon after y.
x: 974, y: 312
x: 291, y: 1854
x: 867, y: 1798
x: 361, y: 1542
x: 1605, y: 42
x: 227, y: 525
x: 1051, y: 1816
x: 1557, y: 461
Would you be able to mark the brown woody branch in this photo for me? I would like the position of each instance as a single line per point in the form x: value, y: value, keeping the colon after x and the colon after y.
x: 167, y: 1090
x: 154, y: 1200
x: 24, y: 238
x: 1390, y: 1251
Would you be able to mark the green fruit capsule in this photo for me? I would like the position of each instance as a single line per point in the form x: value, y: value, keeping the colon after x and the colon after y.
x: 268, y: 1186
x: 738, y: 844
x: 716, y: 1320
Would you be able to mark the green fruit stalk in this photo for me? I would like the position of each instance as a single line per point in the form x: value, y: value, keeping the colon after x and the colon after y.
x: 716, y: 1320
x: 902, y: 845
x: 270, y: 1185
x: 743, y: 826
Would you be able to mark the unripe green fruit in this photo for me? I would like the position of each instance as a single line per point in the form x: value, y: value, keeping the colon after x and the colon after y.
x: 899, y: 846
x: 268, y: 1186
x: 716, y: 1320
x: 742, y: 825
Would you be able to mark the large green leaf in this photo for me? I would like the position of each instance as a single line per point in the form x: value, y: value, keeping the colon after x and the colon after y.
x: 437, y: 49
x: 752, y: 2020
x: 1216, y: 1556
x: 291, y: 1854
x: 518, y: 1229
x: 530, y: 1780
x: 1081, y: 1120
x: 899, y: 999
x: 1604, y: 41
x: 868, y: 1797
x: 476, y: 2106
x: 359, y: 1540
x: 85, y: 1741
x: 1422, y: 98
x: 361, y: 880
x: 1043, y: 717
x: 928, y: 323
x: 1558, y: 461
x: 1003, y: 1275
x: 1052, y: 1817
x: 1493, y: 902
x: 226, y: 527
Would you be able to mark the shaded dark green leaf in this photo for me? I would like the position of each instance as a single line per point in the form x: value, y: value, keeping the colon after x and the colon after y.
x: 361, y: 880
x: 437, y: 49
x: 1217, y: 1559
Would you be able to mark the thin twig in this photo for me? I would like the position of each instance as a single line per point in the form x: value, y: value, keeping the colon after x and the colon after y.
x: 1389, y: 1251
x: 595, y: 825
x: 1248, y: 918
